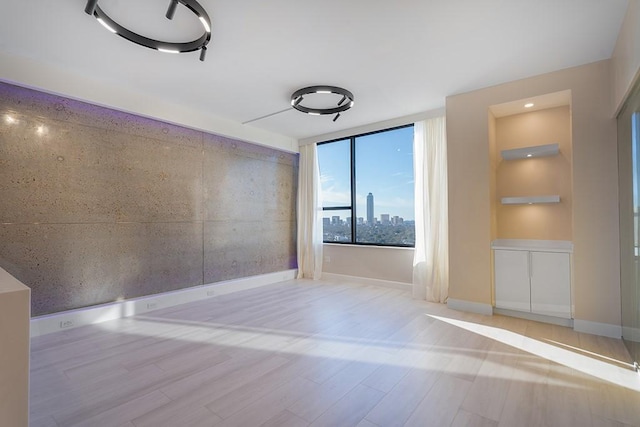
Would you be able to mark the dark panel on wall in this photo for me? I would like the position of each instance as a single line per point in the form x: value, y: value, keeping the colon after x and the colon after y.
x: 98, y: 205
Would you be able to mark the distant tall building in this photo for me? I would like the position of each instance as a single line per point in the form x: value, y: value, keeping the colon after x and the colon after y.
x: 370, y: 209
x: 384, y: 218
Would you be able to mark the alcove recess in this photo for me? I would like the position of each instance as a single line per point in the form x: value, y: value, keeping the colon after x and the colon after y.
x: 531, y: 196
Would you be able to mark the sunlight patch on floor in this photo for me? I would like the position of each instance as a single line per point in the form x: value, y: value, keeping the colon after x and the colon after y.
x: 595, y: 367
x: 341, y: 346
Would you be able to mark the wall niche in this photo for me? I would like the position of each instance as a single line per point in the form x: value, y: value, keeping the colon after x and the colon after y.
x: 531, y: 167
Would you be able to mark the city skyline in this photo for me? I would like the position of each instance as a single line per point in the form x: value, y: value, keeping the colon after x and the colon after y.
x: 392, y: 219
x: 385, y: 218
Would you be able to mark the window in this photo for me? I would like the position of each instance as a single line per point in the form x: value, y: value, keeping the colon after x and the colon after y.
x: 367, y: 188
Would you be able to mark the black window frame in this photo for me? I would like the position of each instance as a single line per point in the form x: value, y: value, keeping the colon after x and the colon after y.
x: 352, y: 207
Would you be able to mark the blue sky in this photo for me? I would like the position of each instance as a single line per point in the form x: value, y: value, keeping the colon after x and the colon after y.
x: 384, y: 167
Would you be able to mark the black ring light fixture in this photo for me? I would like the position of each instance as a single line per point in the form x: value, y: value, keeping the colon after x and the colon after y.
x: 343, y: 105
x: 200, y: 43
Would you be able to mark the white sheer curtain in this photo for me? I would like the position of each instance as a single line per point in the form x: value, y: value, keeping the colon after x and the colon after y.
x: 431, y: 258
x: 309, y: 215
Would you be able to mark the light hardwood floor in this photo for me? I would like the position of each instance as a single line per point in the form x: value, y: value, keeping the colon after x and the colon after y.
x: 305, y: 353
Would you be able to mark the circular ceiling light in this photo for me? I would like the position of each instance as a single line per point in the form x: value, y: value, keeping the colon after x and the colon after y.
x: 344, y: 97
x: 200, y: 43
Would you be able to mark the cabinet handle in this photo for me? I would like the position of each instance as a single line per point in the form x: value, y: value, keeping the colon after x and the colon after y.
x: 530, y: 265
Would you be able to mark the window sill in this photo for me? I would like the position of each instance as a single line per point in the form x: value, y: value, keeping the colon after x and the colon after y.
x: 348, y: 245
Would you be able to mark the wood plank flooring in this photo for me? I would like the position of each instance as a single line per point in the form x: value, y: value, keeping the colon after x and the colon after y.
x: 321, y: 353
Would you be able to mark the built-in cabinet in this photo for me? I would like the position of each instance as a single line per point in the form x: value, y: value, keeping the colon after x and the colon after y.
x: 512, y: 279
x: 533, y: 277
x: 531, y: 208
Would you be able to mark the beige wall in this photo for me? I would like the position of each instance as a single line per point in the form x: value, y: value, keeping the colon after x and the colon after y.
x: 493, y: 159
x: 595, y: 204
x: 373, y: 262
x: 541, y: 176
x: 626, y: 55
x: 14, y: 351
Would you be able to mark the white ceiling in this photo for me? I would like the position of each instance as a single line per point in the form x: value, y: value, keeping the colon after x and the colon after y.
x: 398, y: 57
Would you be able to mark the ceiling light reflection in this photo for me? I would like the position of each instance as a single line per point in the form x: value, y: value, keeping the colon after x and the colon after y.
x: 205, y: 24
x: 107, y: 26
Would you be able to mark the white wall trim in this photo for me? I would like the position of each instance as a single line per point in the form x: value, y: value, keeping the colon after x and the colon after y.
x: 470, y: 306
x: 90, y: 315
x: 596, y: 328
x: 373, y: 127
x: 374, y: 247
x: 366, y: 281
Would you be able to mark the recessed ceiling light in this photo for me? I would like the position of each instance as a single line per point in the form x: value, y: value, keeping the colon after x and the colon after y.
x: 529, y: 155
x: 528, y: 105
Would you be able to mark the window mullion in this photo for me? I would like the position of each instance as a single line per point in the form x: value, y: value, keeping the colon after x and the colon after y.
x: 353, y: 190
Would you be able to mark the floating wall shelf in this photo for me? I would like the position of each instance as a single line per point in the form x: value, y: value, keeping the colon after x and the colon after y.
x: 530, y: 152
x: 530, y: 200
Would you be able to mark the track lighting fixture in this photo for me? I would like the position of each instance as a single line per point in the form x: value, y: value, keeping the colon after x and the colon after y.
x: 297, y: 97
x: 200, y: 43
x: 171, y: 11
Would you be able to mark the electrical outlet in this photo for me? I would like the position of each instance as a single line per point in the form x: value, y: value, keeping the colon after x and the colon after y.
x: 152, y: 305
x: 211, y: 292
x: 66, y: 324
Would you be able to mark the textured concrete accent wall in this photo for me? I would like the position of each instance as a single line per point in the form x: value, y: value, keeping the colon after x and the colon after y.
x: 98, y: 205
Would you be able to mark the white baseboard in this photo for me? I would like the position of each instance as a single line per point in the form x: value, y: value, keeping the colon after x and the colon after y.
x: 101, y: 313
x: 366, y: 281
x: 470, y: 306
x: 631, y: 334
x: 596, y: 328
x: 560, y: 321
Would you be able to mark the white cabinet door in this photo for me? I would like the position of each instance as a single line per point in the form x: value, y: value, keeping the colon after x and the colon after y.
x: 551, y: 284
x: 512, y: 280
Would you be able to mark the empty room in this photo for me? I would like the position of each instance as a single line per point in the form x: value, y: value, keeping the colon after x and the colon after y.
x: 336, y: 213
